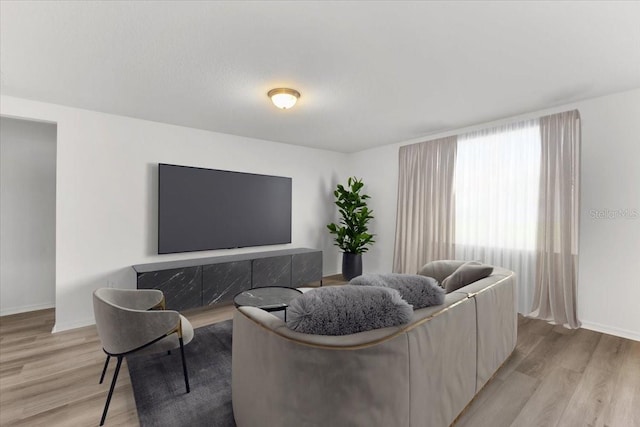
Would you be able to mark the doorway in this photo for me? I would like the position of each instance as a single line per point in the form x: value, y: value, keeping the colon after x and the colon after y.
x: 27, y: 215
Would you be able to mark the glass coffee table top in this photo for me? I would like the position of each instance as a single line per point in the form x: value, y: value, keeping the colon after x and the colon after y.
x: 270, y: 298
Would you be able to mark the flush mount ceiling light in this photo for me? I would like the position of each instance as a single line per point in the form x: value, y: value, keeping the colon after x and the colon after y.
x: 283, y: 98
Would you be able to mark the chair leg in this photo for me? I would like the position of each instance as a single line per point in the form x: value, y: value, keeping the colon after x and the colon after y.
x: 184, y: 366
x: 104, y: 370
x: 113, y: 386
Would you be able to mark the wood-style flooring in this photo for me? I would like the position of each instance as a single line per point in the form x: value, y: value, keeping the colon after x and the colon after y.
x: 555, y: 377
x: 561, y: 377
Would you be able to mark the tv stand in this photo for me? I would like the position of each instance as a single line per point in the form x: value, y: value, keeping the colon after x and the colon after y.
x: 215, y: 280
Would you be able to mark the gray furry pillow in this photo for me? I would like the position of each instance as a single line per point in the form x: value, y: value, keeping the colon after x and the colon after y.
x: 343, y: 310
x: 419, y: 291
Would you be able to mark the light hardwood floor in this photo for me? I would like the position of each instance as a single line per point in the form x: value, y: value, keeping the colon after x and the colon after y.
x: 560, y: 377
x: 555, y: 377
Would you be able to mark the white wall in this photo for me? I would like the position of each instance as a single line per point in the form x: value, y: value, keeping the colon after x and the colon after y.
x: 27, y: 215
x: 609, y: 283
x: 378, y: 168
x: 107, y: 194
x: 106, y: 199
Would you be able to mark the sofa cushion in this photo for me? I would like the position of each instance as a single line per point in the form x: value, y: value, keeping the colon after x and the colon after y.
x: 348, y: 309
x: 467, y: 273
x: 440, y: 269
x: 419, y: 291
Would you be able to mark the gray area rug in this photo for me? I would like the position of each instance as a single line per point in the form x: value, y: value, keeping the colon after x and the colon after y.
x: 158, y: 383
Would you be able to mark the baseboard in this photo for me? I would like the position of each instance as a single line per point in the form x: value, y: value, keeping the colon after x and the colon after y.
x: 623, y: 333
x: 25, y: 308
x: 61, y: 327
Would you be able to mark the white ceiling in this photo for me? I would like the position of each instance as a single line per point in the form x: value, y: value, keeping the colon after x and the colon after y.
x: 370, y: 73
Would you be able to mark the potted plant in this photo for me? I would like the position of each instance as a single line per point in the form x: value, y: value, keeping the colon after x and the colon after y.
x: 352, y: 232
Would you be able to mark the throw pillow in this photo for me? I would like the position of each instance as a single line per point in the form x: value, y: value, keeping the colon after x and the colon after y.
x: 440, y: 269
x: 348, y: 309
x: 467, y: 273
x: 419, y: 291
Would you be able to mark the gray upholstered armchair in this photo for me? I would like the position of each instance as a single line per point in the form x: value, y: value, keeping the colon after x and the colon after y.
x: 134, y: 321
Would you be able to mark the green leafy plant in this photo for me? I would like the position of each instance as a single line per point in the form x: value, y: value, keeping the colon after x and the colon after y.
x: 352, y: 232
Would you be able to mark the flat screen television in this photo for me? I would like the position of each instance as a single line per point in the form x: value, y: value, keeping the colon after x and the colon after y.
x: 202, y: 209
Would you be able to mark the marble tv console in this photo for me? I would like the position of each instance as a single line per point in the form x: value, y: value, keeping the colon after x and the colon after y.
x: 207, y: 281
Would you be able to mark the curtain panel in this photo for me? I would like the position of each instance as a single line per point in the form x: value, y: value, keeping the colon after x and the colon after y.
x: 425, y: 217
x: 559, y: 216
x: 507, y: 196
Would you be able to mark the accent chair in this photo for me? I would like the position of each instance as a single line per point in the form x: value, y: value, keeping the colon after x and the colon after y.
x: 135, y: 321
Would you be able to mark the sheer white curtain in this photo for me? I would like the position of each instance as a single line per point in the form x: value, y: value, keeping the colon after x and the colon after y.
x: 497, y: 179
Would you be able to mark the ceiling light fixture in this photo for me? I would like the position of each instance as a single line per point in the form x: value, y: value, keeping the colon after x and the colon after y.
x: 283, y: 98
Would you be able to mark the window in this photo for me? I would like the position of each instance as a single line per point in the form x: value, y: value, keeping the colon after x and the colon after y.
x: 497, y: 176
x: 496, y: 185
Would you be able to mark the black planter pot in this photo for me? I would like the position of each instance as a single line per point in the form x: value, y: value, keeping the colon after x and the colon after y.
x: 351, y: 265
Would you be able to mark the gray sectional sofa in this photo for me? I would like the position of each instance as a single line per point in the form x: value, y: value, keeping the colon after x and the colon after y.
x: 423, y: 373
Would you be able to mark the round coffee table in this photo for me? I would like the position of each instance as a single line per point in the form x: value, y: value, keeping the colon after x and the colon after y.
x: 269, y: 298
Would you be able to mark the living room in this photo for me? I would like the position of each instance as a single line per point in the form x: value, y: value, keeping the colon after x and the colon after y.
x: 123, y: 87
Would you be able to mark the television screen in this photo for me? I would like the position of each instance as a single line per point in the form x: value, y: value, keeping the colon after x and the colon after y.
x: 201, y: 209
